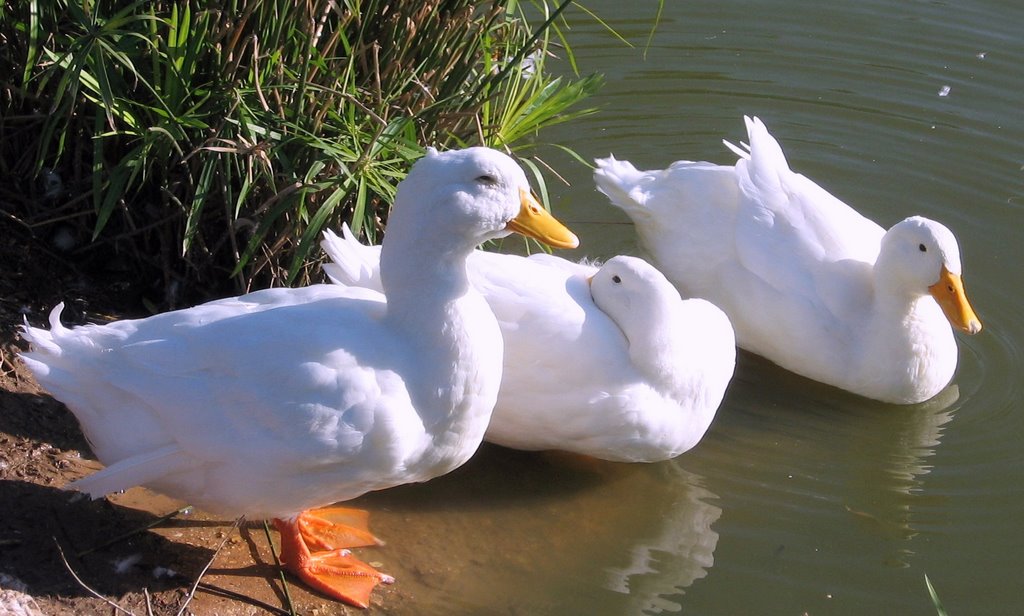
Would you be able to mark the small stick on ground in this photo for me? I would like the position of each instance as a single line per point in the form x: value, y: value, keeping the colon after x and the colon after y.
x: 192, y: 593
x: 210, y: 589
x: 149, y: 602
x: 135, y: 531
x: 280, y: 570
x: 86, y: 586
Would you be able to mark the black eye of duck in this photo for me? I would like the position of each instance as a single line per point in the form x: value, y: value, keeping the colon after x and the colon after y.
x: 922, y: 248
x: 616, y: 279
x: 487, y: 179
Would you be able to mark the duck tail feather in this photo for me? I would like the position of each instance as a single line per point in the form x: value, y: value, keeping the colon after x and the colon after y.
x: 43, y: 342
x: 616, y: 179
x: 742, y: 150
x: 351, y: 263
x: 136, y: 470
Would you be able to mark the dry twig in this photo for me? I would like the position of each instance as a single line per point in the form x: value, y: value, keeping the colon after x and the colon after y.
x: 192, y: 592
x: 116, y: 607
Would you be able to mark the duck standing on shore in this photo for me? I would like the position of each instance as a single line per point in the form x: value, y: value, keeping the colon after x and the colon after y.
x: 278, y: 402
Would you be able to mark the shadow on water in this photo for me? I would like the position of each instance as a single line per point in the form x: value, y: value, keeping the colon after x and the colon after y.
x: 497, y: 478
x: 545, y: 533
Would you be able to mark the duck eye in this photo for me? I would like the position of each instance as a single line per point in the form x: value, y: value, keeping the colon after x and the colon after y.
x: 922, y: 248
x: 616, y: 279
x: 487, y: 179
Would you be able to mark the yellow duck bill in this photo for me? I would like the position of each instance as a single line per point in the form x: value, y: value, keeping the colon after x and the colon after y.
x: 536, y: 222
x: 951, y: 297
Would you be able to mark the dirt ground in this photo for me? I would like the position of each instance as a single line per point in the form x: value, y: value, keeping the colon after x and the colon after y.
x: 60, y: 553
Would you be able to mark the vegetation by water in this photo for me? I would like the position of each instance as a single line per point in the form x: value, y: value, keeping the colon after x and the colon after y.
x: 208, y: 142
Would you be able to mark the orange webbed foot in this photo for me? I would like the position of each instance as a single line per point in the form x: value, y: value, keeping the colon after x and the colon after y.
x: 340, y: 575
x: 330, y: 528
x: 334, y: 572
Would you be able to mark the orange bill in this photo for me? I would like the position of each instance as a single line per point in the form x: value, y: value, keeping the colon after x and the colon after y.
x: 536, y: 222
x: 950, y: 295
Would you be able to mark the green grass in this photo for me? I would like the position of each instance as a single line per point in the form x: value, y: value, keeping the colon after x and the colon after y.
x: 208, y: 142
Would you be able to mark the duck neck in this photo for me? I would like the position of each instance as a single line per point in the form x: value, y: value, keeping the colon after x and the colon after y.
x: 910, y: 330
x: 902, y: 308
x: 655, y: 350
x: 444, y: 322
x: 423, y: 290
x: 422, y: 273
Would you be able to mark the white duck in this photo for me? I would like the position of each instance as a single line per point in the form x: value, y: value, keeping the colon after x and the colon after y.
x: 603, y: 361
x: 807, y: 281
x: 282, y: 400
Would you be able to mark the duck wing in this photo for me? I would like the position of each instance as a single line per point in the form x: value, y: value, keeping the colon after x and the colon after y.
x: 794, y: 235
x: 198, y: 389
x: 787, y: 225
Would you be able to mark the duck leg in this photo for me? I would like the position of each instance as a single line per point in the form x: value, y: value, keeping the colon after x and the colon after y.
x: 334, y: 572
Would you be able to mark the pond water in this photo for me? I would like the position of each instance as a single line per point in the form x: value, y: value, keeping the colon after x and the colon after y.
x: 801, y: 498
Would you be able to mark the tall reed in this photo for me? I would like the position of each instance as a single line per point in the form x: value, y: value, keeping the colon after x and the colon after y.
x: 208, y: 141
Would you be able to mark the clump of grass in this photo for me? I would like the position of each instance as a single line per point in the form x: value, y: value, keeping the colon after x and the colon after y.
x: 206, y: 142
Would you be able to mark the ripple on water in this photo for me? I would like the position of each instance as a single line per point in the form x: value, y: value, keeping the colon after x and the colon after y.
x: 801, y: 498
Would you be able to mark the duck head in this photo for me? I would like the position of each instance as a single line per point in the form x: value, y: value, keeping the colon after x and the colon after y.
x: 479, y: 193
x: 625, y: 288
x: 923, y: 256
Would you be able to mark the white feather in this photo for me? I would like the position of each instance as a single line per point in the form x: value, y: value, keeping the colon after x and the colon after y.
x: 807, y: 281
x: 622, y: 371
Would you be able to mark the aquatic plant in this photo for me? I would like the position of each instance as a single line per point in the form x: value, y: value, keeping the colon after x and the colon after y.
x: 206, y: 142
